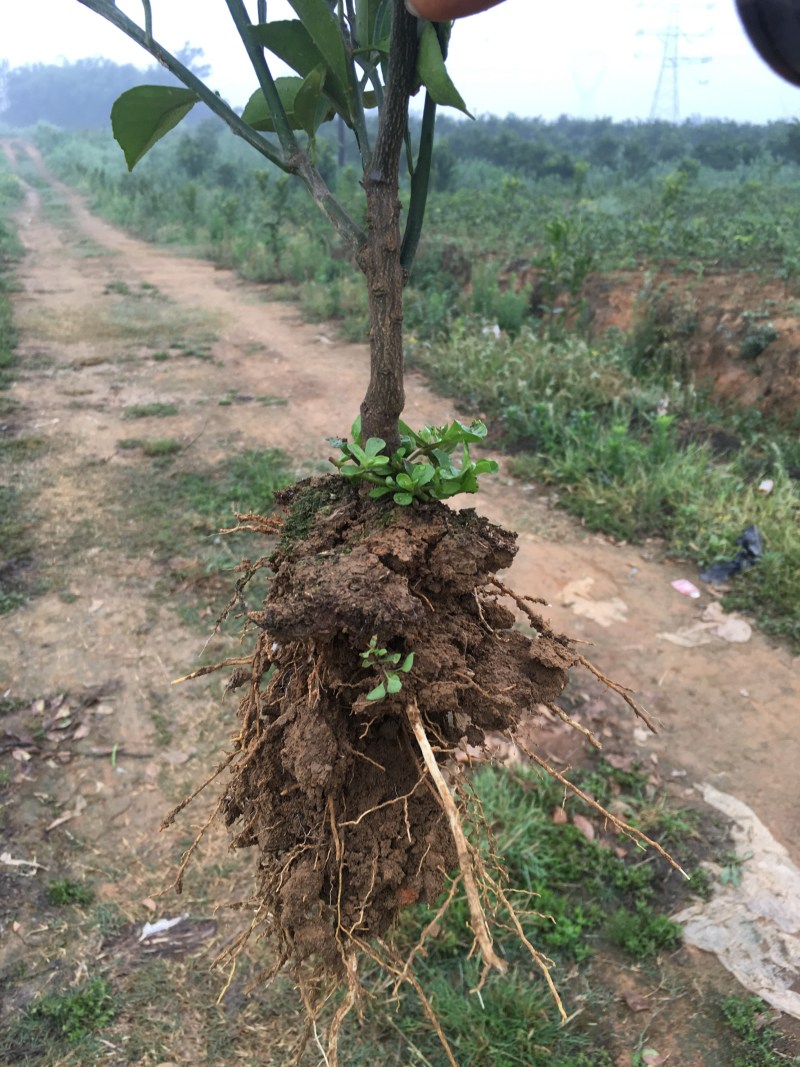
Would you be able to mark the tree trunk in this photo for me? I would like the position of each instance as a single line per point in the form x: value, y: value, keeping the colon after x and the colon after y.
x: 380, y: 260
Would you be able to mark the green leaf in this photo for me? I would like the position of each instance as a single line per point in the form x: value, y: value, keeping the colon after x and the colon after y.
x: 433, y: 73
x: 323, y: 27
x: 142, y: 116
x: 366, y: 11
x: 378, y: 693
x: 355, y: 430
x: 405, y: 481
x: 487, y: 466
x: 257, y: 114
x: 407, y: 663
x: 309, y: 105
x: 393, y: 683
x: 422, y: 473
x: 290, y: 41
x: 402, y: 498
x: 380, y: 490
x: 374, y: 446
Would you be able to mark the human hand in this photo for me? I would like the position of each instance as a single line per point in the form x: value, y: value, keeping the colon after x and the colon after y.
x: 444, y: 10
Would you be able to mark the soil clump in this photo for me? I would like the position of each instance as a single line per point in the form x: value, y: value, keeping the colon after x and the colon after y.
x: 330, y: 787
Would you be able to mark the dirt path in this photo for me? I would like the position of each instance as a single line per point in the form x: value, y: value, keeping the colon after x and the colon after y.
x: 728, y: 711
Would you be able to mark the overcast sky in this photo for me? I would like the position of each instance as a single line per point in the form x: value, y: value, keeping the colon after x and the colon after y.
x: 530, y: 57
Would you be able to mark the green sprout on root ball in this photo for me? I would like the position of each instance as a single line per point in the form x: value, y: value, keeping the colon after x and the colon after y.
x: 388, y: 665
x: 422, y: 468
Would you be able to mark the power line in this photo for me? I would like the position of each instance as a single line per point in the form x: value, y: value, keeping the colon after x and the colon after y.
x: 675, y: 42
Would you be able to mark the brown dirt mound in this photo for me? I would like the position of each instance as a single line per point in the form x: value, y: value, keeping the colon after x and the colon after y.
x: 331, y: 788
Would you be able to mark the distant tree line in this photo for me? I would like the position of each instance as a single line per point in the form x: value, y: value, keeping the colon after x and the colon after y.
x: 535, y: 148
x: 79, y: 95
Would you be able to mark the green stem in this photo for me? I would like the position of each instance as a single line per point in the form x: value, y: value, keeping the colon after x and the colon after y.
x: 420, y: 183
x: 359, y: 119
x: 109, y: 11
x: 255, y: 54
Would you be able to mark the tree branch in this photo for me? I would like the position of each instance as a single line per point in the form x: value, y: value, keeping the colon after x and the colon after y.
x: 108, y: 10
x: 297, y: 163
x: 255, y: 54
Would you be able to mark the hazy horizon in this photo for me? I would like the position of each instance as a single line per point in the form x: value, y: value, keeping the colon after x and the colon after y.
x: 515, y: 59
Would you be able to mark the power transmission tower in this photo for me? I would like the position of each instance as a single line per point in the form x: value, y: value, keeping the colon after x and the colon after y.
x: 666, y: 98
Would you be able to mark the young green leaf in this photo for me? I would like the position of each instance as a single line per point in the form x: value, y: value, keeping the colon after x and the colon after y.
x: 378, y: 693
x: 374, y: 446
x: 290, y: 41
x: 323, y: 27
x: 365, y: 21
x: 310, y: 106
x: 433, y: 73
x: 407, y: 663
x: 257, y: 114
x: 403, y: 498
x: 393, y: 683
x: 141, y: 117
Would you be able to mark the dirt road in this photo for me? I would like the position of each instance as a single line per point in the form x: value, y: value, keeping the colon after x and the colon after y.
x: 728, y: 712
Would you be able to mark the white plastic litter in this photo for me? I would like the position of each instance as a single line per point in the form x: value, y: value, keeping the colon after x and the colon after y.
x: 753, y: 927
x: 713, y: 623
x: 161, y: 926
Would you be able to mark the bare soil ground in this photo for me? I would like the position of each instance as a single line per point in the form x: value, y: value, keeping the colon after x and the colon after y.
x: 97, y: 744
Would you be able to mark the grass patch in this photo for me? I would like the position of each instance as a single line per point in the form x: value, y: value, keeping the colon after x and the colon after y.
x: 751, y: 1020
x: 581, y: 891
x: 159, y: 448
x: 126, y: 319
x: 64, y: 891
x: 16, y: 549
x: 631, y: 449
x: 156, y: 410
x: 173, y: 510
x: 58, y: 1019
x: 17, y: 449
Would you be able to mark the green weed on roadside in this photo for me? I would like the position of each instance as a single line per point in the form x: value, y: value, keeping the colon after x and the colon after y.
x: 631, y: 452
x: 751, y: 1020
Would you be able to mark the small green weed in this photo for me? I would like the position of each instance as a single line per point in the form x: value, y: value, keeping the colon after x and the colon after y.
x: 732, y: 863
x: 108, y: 919
x: 751, y: 1021
x: 156, y: 410
x: 643, y: 934
x: 63, y: 891
x: 388, y: 666
x: 57, y: 1018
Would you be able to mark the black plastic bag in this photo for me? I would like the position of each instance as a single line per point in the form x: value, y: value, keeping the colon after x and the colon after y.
x: 748, y: 555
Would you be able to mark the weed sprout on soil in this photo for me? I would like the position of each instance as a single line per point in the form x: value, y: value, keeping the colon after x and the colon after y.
x: 350, y: 796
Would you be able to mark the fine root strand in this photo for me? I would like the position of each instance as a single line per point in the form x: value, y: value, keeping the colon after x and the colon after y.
x: 620, y: 690
x: 624, y: 827
x: 466, y: 861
